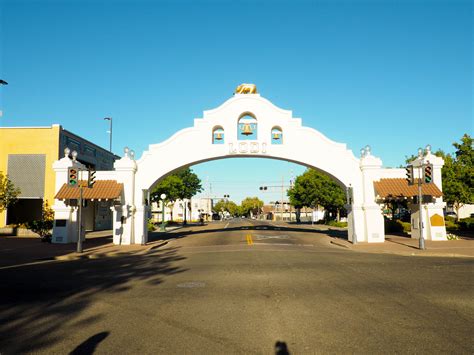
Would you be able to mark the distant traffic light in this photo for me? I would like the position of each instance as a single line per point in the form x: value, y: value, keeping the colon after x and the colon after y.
x: 409, y: 172
x: 263, y: 187
x: 91, y: 179
x: 72, y: 176
x: 428, y: 173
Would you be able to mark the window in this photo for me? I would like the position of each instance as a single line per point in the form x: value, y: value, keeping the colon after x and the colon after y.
x: 277, y: 135
x: 218, y: 135
x: 247, y: 127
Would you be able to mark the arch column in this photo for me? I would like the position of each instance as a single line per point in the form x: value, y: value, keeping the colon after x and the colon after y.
x: 374, y: 229
x: 124, y: 215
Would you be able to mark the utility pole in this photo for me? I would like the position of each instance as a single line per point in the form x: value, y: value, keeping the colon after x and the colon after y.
x: 282, y: 191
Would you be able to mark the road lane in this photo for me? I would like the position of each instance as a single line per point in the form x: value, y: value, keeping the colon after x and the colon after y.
x: 211, y: 291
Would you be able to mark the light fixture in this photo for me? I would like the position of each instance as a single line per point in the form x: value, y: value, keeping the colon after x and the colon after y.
x: 67, y: 151
x: 420, y: 152
x: 218, y: 136
x: 276, y: 135
x: 163, y: 196
x: 74, y: 155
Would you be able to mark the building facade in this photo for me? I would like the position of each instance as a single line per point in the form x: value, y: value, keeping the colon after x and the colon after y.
x: 27, y: 155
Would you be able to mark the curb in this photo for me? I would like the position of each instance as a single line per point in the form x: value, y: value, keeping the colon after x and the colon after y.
x: 157, y: 246
x: 339, y: 244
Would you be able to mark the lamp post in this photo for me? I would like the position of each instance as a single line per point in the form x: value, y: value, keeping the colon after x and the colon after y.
x: 110, y: 132
x: 162, y: 229
x: 421, y: 241
x: 2, y: 82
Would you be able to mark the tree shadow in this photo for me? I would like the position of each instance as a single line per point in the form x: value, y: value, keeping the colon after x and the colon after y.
x: 332, y: 232
x: 89, y: 345
x: 37, y: 300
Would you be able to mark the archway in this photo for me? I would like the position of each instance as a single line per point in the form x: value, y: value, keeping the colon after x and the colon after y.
x: 301, y: 145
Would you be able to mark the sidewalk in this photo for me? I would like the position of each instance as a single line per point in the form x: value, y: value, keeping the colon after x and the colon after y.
x: 407, y: 246
x: 24, y: 250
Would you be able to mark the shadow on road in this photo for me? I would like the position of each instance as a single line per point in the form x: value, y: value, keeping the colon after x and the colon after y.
x: 39, y: 302
x: 332, y: 232
x: 88, y: 346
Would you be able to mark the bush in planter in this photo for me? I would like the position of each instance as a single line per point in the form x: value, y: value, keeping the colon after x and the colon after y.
x: 44, y: 226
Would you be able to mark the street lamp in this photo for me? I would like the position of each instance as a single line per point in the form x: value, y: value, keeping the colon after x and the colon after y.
x: 2, y: 82
x: 110, y: 131
x: 163, y: 197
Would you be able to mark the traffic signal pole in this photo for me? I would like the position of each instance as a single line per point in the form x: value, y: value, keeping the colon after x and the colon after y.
x: 421, y: 240
x: 79, y: 227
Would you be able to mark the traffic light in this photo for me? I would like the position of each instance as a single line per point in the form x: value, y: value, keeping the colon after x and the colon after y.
x: 91, y: 179
x: 428, y: 173
x: 409, y: 172
x: 72, y: 176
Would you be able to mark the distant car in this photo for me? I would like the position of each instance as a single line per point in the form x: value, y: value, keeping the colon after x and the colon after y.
x: 451, y: 214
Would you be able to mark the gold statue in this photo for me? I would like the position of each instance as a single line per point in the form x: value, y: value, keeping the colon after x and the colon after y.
x: 246, y: 89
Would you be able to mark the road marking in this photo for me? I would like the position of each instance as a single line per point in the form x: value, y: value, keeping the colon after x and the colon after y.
x: 260, y: 237
x: 249, y: 239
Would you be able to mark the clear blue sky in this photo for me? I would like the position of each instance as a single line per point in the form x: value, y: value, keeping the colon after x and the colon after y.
x: 393, y: 74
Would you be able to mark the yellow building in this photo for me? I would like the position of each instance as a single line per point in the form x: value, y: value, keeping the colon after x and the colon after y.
x: 27, y: 155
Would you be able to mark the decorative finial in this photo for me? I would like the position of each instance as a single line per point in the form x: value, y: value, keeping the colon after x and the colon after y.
x: 132, y: 154
x: 67, y: 151
x: 428, y: 149
x: 126, y: 150
x: 420, y: 153
x: 367, y: 150
x: 74, y: 155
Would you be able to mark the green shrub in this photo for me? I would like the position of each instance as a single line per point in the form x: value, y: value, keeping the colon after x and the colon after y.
x: 150, y: 226
x: 396, y: 226
x: 337, y: 224
x: 451, y: 224
x: 406, y: 226
x: 466, y: 224
x: 43, y: 228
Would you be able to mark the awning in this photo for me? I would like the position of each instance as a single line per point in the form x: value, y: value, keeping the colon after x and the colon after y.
x: 102, y: 190
x: 400, y: 188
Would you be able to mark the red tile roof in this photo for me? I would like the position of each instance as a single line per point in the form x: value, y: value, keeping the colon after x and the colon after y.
x: 103, y: 189
x: 400, y: 188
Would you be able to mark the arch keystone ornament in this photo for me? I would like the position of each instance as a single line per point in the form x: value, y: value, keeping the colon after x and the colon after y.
x: 295, y: 143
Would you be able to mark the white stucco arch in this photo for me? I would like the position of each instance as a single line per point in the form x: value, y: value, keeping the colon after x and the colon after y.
x: 302, y: 145
x: 194, y: 145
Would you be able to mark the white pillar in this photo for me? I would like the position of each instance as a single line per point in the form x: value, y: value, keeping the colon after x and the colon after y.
x: 124, y: 215
x: 370, y: 167
x: 433, y: 213
x: 65, y: 228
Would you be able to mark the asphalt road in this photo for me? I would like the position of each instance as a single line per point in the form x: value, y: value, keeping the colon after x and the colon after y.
x: 240, y: 286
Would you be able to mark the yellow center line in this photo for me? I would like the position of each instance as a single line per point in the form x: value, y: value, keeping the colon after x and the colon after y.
x: 249, y: 239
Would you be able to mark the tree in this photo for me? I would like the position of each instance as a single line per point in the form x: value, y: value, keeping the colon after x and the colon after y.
x: 228, y: 206
x: 191, y: 186
x: 8, y: 192
x: 251, y: 205
x: 183, y: 184
x: 314, y: 189
x: 171, y: 186
x: 458, y: 175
